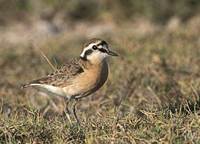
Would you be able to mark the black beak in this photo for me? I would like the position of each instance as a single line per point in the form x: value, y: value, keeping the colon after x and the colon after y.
x: 111, y: 53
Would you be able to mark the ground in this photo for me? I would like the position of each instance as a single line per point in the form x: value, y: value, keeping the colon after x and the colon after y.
x: 152, y: 95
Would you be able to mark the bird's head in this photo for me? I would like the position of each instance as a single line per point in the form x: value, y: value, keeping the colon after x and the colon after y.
x: 96, y: 49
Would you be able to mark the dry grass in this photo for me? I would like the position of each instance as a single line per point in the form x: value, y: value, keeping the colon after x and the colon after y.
x: 152, y: 95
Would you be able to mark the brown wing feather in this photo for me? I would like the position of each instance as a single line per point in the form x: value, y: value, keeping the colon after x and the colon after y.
x: 61, y: 76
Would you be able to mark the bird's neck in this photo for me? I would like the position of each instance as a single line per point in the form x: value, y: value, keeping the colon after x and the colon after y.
x: 93, y: 63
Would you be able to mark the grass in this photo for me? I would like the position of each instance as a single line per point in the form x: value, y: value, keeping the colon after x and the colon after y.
x: 152, y: 95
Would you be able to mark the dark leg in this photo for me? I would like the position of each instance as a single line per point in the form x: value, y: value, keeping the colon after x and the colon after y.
x: 74, y: 112
x: 67, y: 111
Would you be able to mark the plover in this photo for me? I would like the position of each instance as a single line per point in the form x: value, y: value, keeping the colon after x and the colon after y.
x: 79, y: 77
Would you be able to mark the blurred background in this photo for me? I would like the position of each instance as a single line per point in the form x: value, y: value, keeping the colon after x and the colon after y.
x: 38, y: 20
x: 158, y: 68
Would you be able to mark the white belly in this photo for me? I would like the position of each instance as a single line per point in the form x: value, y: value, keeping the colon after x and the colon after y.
x: 50, y: 90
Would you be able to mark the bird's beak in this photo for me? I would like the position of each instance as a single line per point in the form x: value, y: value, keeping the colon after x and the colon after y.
x: 111, y: 53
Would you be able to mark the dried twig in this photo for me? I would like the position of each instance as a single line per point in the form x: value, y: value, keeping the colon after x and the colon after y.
x: 45, y: 57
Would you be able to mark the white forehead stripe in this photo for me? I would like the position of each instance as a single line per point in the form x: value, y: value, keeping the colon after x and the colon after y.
x: 84, y: 50
x: 87, y: 48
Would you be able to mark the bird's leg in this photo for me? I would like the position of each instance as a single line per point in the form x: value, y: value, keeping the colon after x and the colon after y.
x: 67, y: 110
x: 70, y: 108
x: 74, y: 111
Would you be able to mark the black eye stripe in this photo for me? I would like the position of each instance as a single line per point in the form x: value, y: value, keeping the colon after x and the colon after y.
x: 103, y: 50
x: 88, y: 52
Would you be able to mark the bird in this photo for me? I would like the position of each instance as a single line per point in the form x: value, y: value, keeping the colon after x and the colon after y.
x: 81, y: 76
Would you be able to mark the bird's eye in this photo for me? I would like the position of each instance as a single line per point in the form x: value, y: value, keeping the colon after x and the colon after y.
x: 94, y: 47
